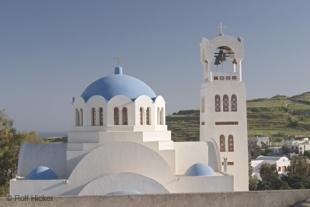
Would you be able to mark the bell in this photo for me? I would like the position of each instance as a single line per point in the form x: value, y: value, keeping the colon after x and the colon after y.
x: 222, y: 56
x: 217, y: 61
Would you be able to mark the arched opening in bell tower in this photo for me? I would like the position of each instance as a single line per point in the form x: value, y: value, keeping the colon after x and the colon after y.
x: 224, y: 60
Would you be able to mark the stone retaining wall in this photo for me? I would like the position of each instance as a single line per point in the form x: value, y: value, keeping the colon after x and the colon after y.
x: 234, y: 199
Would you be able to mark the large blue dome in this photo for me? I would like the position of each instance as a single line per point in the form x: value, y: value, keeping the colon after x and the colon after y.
x: 118, y: 84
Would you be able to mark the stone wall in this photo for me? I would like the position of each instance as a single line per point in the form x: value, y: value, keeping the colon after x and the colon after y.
x: 235, y: 199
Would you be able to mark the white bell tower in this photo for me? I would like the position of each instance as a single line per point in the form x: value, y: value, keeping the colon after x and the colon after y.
x: 223, y: 115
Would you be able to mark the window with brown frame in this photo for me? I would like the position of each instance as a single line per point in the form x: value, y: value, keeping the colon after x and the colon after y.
x: 225, y: 103
x: 77, y: 117
x: 217, y: 103
x: 101, y: 116
x: 93, y: 117
x: 230, y: 143
x: 234, y: 106
x: 116, y: 116
x: 141, y: 116
x: 222, y: 143
x: 148, y: 115
x: 81, y: 117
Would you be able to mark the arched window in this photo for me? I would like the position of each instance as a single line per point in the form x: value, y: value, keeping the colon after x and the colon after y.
x: 230, y: 143
x: 141, y: 116
x: 162, y: 116
x: 234, y: 106
x: 225, y: 103
x: 93, y: 117
x: 222, y: 143
x: 217, y: 103
x: 202, y: 105
x: 81, y: 117
x: 158, y: 115
x: 101, y: 116
x: 77, y: 117
x: 125, y: 116
x: 148, y: 116
x: 116, y: 116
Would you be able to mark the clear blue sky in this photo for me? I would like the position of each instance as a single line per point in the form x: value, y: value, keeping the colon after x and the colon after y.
x: 51, y: 50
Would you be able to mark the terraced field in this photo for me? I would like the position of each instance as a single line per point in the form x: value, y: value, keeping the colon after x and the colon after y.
x: 184, y: 125
x: 277, y: 117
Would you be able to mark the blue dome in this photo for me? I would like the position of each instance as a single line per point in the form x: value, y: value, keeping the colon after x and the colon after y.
x: 118, y: 84
x: 200, y: 169
x: 42, y: 173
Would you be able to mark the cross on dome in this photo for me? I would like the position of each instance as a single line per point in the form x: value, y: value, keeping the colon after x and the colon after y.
x: 117, y: 61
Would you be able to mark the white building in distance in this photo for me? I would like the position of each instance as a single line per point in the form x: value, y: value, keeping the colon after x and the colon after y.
x: 300, y: 145
x: 281, y: 163
x: 260, y: 141
x: 119, y: 143
x: 304, y: 147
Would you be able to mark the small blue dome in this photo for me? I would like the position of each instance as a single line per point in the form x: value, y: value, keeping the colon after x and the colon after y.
x: 41, y: 173
x: 200, y: 169
x: 118, y: 84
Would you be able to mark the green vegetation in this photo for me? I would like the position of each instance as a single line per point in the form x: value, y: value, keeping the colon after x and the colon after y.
x: 184, y: 125
x: 270, y: 179
x: 280, y: 116
x: 56, y: 139
x: 277, y: 117
x: 10, y: 141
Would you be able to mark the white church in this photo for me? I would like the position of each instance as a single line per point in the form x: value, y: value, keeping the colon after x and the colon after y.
x: 119, y: 143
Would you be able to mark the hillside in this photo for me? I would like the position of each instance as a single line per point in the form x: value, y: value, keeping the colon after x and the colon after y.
x: 277, y: 117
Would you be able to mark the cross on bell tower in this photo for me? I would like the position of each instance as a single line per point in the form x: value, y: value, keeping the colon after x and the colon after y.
x: 221, y: 28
